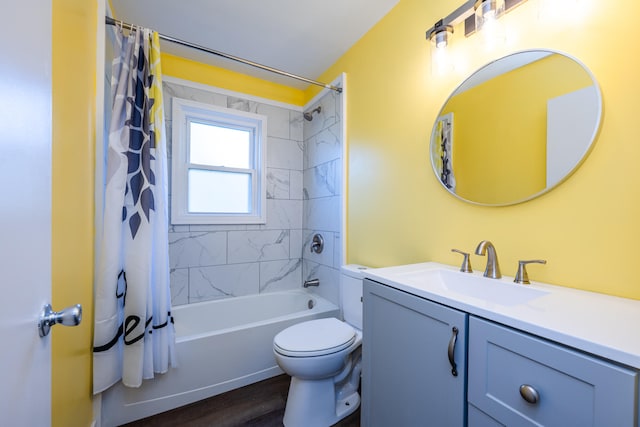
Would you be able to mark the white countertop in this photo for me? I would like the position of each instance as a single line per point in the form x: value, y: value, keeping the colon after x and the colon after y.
x: 599, y: 324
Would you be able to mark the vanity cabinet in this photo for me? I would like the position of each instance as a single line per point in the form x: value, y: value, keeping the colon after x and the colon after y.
x: 410, y: 347
x: 505, y: 377
x: 519, y: 379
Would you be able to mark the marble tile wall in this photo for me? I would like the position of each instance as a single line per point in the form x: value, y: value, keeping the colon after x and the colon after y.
x: 322, y: 207
x: 217, y: 261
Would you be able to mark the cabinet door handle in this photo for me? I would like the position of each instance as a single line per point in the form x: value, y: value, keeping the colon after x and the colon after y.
x: 452, y: 348
x: 529, y: 393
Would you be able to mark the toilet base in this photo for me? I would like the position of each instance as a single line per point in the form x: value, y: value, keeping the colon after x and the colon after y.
x: 312, y: 403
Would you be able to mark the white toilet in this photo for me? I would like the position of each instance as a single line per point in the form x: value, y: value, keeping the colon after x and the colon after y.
x: 323, y: 358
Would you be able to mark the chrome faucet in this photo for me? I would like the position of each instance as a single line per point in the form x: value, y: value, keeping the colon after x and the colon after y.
x: 465, y: 267
x: 521, y: 275
x: 493, y: 268
x: 311, y: 282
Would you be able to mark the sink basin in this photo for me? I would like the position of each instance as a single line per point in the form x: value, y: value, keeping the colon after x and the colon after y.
x: 497, y: 291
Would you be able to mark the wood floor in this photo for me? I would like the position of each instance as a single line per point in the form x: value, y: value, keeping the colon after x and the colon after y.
x: 258, y: 405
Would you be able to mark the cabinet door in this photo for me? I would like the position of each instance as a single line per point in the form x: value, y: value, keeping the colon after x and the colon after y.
x: 477, y: 418
x: 563, y: 387
x: 407, y: 377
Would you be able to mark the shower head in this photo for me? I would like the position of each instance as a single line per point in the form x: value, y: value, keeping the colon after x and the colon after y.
x: 309, y: 115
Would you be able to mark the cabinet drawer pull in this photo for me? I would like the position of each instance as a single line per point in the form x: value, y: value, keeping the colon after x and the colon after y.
x: 529, y: 393
x: 452, y: 348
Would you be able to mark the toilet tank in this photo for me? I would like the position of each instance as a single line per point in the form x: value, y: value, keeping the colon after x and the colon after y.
x: 351, y: 293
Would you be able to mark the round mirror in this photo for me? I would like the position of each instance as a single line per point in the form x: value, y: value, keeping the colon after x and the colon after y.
x: 516, y: 128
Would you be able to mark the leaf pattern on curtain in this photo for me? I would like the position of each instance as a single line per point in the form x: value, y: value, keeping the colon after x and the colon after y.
x: 141, y: 141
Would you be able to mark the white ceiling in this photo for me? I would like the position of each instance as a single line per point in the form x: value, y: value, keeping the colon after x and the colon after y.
x: 302, y: 37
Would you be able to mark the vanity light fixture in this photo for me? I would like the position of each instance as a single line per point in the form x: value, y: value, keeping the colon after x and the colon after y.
x: 439, y: 34
x: 474, y: 13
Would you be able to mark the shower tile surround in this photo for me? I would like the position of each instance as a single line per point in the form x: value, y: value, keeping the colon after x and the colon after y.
x: 304, y: 182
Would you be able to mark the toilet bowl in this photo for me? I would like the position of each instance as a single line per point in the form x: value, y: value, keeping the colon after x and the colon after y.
x: 323, y: 357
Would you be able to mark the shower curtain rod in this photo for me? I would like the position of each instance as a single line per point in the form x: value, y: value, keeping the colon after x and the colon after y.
x: 111, y: 21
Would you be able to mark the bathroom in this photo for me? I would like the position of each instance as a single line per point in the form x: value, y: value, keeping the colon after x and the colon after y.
x: 397, y: 213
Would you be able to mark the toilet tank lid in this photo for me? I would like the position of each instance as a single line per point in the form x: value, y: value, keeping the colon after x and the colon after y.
x: 353, y: 270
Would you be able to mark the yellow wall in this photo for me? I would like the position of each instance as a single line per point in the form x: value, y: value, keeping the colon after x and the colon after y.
x: 511, y: 166
x: 398, y: 213
x: 74, y: 75
x: 186, y: 69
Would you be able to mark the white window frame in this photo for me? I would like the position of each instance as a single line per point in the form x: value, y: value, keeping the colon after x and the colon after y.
x: 183, y: 113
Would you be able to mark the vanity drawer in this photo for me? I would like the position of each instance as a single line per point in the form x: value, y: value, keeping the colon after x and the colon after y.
x: 572, y: 388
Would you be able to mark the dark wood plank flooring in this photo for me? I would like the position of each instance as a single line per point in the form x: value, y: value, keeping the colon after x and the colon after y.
x: 259, y: 405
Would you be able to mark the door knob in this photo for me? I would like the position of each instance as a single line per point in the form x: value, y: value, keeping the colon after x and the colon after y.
x: 70, y: 316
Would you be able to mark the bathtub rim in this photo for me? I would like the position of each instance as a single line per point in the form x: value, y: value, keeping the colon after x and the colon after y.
x: 321, y: 305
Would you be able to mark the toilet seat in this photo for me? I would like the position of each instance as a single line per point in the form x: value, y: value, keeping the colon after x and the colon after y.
x: 314, y: 338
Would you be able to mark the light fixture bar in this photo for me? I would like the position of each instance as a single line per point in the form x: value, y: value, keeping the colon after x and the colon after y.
x: 460, y: 14
x: 466, y: 13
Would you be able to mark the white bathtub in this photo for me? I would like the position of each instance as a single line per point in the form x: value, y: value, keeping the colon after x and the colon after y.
x: 221, y: 345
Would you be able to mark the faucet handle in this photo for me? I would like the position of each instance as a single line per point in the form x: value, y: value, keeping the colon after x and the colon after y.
x: 465, y: 267
x: 521, y: 275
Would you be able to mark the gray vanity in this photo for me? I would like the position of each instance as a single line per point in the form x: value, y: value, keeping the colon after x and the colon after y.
x: 446, y: 348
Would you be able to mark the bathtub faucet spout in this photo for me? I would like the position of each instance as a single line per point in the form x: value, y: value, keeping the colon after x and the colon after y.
x: 311, y: 282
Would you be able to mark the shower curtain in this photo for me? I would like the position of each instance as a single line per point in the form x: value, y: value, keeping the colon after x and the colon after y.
x: 133, y: 333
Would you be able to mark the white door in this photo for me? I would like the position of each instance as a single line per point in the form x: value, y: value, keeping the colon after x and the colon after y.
x: 570, y: 131
x: 25, y: 211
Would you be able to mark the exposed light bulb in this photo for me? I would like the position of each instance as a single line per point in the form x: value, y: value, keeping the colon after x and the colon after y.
x: 441, y: 39
x: 487, y: 11
x: 439, y: 34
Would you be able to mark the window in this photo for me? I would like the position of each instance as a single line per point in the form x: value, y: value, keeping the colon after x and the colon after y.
x: 218, y: 163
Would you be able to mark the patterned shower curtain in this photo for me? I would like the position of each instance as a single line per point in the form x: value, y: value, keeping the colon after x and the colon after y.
x: 134, y: 333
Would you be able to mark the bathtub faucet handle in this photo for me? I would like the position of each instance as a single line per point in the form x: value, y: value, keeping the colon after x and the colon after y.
x: 311, y: 282
x: 317, y: 243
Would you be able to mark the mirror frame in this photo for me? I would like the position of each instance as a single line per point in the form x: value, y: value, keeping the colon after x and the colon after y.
x: 585, y: 154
